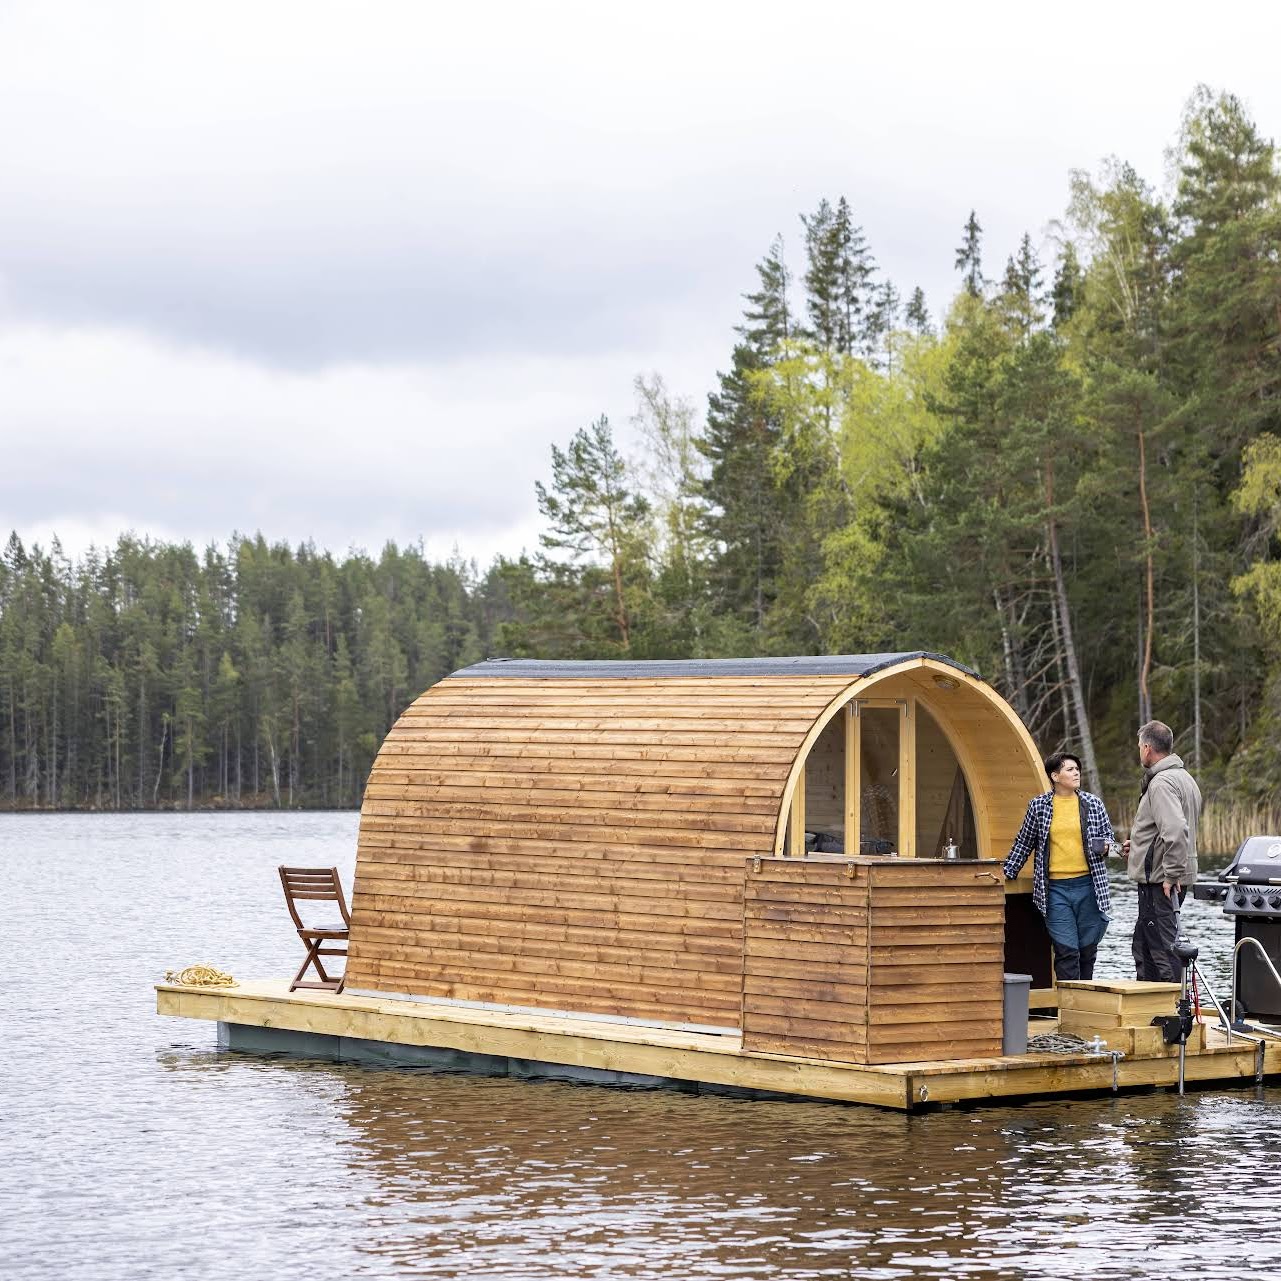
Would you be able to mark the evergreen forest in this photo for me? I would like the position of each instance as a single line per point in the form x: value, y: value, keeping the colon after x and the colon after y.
x: 1070, y: 481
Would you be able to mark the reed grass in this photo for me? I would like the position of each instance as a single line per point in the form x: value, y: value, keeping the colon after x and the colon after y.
x: 1224, y: 823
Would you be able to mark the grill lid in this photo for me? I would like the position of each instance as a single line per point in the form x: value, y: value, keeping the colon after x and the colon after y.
x: 1256, y: 862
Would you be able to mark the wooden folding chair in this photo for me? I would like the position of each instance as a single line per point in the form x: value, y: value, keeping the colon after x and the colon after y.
x: 322, y: 884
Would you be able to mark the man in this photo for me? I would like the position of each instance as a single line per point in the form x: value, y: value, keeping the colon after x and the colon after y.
x: 1161, y: 851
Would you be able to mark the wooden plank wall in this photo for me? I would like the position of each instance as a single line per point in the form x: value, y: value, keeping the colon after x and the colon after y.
x: 805, y: 972
x: 936, y: 950
x: 871, y: 961
x: 575, y: 844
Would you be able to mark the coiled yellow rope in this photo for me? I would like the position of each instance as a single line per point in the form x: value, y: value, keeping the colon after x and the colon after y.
x: 200, y: 976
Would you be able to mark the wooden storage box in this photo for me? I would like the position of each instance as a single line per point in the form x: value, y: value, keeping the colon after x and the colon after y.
x: 1120, y: 1012
x: 873, y: 960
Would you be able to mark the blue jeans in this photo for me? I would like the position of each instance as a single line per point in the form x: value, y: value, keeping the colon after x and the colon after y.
x: 1075, y: 924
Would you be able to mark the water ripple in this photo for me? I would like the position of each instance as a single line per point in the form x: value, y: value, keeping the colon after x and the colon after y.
x: 134, y: 1149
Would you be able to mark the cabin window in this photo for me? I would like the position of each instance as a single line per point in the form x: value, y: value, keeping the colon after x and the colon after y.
x: 825, y: 791
x: 882, y: 778
x: 943, y: 810
x: 878, y: 782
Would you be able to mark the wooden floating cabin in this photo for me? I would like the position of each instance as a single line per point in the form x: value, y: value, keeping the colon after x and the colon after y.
x: 772, y: 874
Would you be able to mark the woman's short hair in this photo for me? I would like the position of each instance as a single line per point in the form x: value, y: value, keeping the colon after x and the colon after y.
x: 1054, y: 763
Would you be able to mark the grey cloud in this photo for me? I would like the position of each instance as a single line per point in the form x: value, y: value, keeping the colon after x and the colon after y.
x: 281, y: 304
x: 169, y: 492
x: 101, y: 428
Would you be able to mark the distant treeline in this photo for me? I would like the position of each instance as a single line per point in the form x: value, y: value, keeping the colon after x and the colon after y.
x: 150, y: 676
x: 1073, y: 483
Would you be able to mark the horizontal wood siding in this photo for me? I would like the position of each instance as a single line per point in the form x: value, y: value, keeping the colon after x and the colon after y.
x: 951, y: 915
x: 867, y: 961
x: 575, y: 844
x: 805, y: 973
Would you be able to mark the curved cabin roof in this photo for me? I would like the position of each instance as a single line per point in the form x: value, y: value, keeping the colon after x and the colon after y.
x: 704, y: 668
x: 574, y: 836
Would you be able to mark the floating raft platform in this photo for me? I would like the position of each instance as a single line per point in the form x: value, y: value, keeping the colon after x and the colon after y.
x: 776, y: 875
x: 263, y: 1016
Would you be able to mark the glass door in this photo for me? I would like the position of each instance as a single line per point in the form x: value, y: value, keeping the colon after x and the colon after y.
x: 880, y: 781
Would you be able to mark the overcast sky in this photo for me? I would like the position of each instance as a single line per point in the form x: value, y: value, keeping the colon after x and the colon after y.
x: 346, y: 271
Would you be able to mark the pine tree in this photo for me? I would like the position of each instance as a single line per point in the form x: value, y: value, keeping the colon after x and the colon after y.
x: 594, y: 514
x: 1223, y: 327
x: 1065, y: 293
x: 224, y: 715
x: 1227, y: 273
x: 743, y: 516
x: 767, y: 320
x: 917, y: 314
x: 348, y: 723
x: 856, y: 292
x: 880, y: 330
x: 823, y: 261
x: 839, y: 289
x: 969, y: 257
x: 1021, y: 290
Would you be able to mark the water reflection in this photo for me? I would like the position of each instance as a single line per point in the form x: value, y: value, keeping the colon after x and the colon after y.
x: 552, y: 1179
x: 526, y: 1180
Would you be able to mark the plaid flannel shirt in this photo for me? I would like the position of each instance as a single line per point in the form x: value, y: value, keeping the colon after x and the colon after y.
x: 1033, y: 840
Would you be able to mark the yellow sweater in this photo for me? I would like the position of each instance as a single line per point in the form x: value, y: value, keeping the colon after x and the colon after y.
x: 1067, y: 854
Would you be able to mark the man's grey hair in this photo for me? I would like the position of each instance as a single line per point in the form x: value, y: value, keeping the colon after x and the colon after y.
x: 1158, y: 736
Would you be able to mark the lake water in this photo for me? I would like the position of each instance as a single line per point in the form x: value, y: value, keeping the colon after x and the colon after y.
x: 133, y: 1148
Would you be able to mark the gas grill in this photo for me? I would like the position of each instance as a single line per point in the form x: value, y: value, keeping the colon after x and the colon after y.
x: 1250, y: 890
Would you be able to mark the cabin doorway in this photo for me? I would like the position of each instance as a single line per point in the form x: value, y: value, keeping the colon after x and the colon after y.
x: 882, y: 778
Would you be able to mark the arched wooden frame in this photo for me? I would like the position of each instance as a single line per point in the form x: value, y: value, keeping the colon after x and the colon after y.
x: 789, y: 836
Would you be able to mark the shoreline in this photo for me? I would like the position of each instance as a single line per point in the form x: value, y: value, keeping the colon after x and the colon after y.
x: 208, y: 808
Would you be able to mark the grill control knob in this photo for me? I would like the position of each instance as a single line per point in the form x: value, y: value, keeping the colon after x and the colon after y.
x: 1257, y: 901
x: 1239, y: 899
x: 1275, y: 902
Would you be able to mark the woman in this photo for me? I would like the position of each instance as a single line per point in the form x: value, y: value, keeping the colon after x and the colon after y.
x: 1069, y: 832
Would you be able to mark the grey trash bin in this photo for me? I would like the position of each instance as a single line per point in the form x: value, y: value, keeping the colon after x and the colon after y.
x: 1015, y: 1013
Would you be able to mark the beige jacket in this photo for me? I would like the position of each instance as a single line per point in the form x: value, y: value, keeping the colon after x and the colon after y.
x: 1165, y: 825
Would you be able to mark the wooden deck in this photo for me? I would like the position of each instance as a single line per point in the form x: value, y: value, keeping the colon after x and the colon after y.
x: 671, y: 1055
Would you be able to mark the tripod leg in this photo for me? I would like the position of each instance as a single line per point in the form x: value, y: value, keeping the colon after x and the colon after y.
x: 1185, y: 1017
